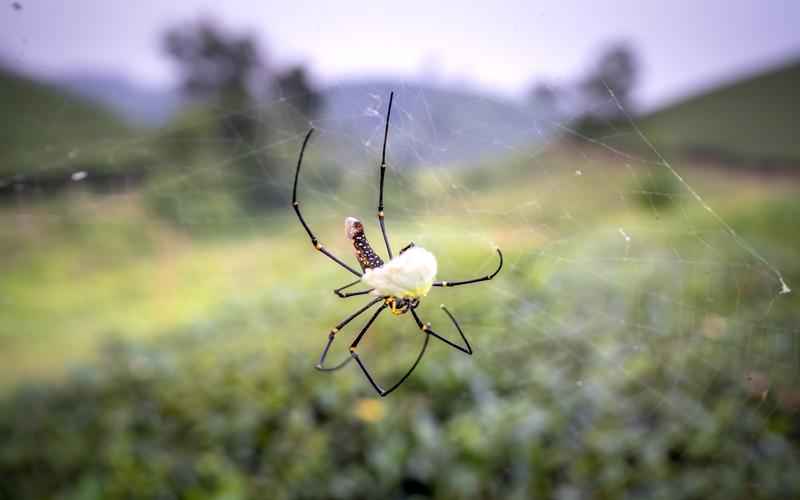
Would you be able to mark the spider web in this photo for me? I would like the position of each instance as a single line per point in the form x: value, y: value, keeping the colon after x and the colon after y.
x: 439, y: 162
x: 618, y: 285
x: 588, y: 264
x: 604, y: 273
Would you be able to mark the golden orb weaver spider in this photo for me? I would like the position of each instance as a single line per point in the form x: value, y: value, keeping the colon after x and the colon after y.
x: 399, y: 284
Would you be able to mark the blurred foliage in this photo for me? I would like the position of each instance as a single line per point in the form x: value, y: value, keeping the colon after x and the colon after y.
x: 746, y: 122
x: 657, y: 366
x: 213, y: 62
x: 202, y: 190
x: 606, y: 390
x: 199, y: 189
x: 293, y: 85
x: 658, y: 189
x: 193, y: 417
x: 610, y: 83
x: 189, y: 136
x: 600, y: 99
x: 48, y: 132
x: 197, y: 204
x: 229, y: 74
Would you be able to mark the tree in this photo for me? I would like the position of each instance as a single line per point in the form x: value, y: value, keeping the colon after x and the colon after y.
x: 616, y: 72
x: 294, y: 86
x: 546, y: 98
x: 227, y: 71
x: 221, y: 67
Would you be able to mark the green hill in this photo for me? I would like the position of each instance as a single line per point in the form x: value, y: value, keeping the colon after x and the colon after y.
x: 751, y: 120
x: 44, y: 131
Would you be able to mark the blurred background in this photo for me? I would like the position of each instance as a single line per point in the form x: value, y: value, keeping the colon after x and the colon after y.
x: 161, y: 309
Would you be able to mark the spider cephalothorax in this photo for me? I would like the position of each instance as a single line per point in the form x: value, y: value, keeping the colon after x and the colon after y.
x: 399, y: 284
x: 400, y: 306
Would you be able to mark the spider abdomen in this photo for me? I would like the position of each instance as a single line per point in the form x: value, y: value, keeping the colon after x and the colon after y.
x: 366, y: 256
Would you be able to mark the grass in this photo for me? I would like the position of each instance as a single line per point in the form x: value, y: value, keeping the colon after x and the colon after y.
x: 87, y: 269
x: 160, y: 343
x: 54, y: 132
x: 111, y: 272
x: 749, y: 120
x: 662, y: 365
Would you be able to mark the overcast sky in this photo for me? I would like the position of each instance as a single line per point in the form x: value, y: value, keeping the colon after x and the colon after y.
x: 501, y: 47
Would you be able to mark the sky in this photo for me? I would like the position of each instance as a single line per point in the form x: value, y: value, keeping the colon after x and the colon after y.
x: 498, y: 47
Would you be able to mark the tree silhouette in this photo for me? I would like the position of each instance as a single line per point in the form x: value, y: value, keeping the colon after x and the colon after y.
x: 546, y: 98
x: 616, y: 72
x: 221, y: 67
x: 228, y: 71
x: 294, y: 86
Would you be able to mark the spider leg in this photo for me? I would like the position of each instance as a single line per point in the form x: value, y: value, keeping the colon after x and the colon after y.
x: 332, y: 335
x: 383, y: 172
x: 341, y: 294
x: 410, y: 245
x: 296, y: 205
x: 426, y: 327
x: 383, y: 392
x: 474, y: 280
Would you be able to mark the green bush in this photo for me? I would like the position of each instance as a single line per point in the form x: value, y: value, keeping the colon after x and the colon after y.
x: 196, y: 203
x: 206, y: 172
x: 642, y: 376
x: 657, y: 189
x: 192, y: 418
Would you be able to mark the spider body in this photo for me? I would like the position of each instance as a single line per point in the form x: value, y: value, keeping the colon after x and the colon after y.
x: 365, y: 255
x: 400, y: 306
x: 398, y: 284
x: 403, y: 281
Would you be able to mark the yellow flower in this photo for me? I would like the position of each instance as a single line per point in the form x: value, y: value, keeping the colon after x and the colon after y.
x: 370, y: 410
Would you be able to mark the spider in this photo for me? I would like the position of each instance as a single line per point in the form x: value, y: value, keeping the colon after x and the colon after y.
x: 398, y: 284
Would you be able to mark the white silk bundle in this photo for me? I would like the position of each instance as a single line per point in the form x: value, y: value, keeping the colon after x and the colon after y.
x: 409, y: 275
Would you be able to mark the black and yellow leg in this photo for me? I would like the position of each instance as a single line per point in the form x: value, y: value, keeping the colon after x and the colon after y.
x: 474, y: 280
x: 332, y: 335
x: 426, y: 327
x: 383, y: 173
x: 342, y: 294
x: 382, y: 392
x: 296, y: 205
x: 410, y: 245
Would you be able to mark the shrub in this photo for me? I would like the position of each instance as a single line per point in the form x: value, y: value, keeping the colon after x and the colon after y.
x: 657, y: 189
x: 189, y: 418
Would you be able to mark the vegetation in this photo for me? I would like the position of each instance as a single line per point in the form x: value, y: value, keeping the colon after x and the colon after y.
x: 636, y: 343
x: 748, y: 121
x: 657, y: 190
x: 48, y: 132
x: 229, y: 72
x: 593, y: 374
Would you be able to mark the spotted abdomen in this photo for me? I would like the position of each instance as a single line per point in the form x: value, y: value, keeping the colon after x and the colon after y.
x: 366, y: 256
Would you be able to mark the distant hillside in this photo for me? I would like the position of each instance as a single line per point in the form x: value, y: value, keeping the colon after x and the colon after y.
x: 430, y: 125
x: 753, y: 120
x: 135, y: 103
x: 44, y: 130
